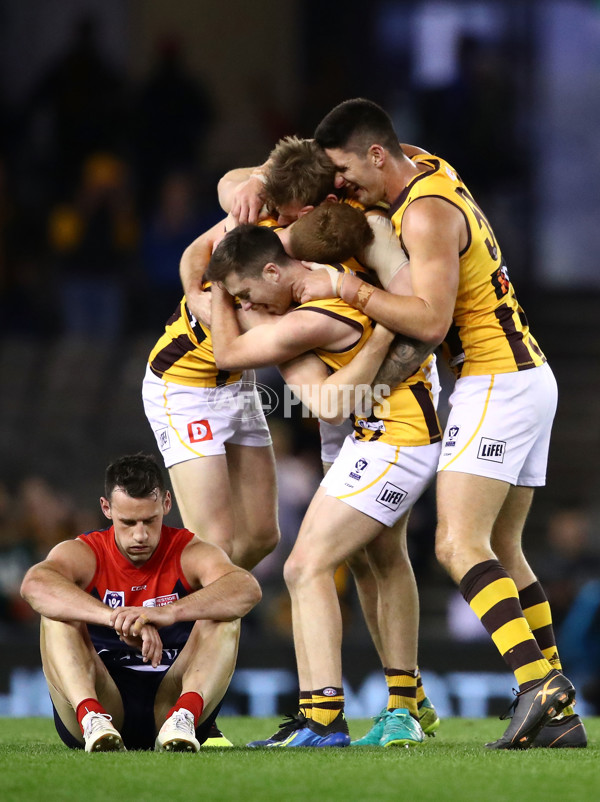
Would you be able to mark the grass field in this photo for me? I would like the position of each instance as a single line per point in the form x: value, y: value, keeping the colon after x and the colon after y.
x: 35, y: 766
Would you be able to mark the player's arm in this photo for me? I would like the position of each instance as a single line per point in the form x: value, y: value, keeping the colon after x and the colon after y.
x: 55, y: 586
x: 431, y: 231
x: 222, y: 592
x: 263, y: 345
x: 241, y: 193
x: 333, y: 397
x: 194, y: 263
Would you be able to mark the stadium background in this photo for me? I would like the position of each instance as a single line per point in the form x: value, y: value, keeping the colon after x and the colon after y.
x: 117, y: 119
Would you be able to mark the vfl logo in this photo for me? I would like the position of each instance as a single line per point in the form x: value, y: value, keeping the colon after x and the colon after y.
x: 452, y: 432
x: 491, y: 450
x: 359, y: 466
x: 114, y: 598
x: 199, y: 430
x: 164, y: 441
x: 391, y: 496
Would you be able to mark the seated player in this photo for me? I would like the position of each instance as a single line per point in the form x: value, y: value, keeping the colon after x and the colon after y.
x: 140, y: 622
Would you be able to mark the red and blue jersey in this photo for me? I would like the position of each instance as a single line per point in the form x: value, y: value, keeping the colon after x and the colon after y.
x: 117, y: 582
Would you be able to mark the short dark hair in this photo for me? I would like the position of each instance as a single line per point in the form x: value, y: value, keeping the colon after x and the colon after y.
x: 298, y: 171
x: 355, y: 125
x: 137, y: 474
x: 246, y: 250
x: 332, y: 232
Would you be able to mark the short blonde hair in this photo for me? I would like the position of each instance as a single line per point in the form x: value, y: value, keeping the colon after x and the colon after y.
x: 298, y: 171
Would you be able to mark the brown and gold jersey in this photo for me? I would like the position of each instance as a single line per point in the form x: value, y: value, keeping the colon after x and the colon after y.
x: 489, y: 332
x: 184, y: 353
x: 407, y: 415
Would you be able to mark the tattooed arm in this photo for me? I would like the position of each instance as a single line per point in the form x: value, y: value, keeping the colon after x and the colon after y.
x: 402, y: 360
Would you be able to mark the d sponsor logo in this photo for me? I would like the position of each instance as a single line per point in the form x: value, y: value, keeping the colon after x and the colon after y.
x: 391, y: 496
x: 199, y: 430
x: 114, y: 598
x: 491, y: 450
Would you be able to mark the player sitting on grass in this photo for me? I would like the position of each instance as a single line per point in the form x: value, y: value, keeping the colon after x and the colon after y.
x: 140, y: 622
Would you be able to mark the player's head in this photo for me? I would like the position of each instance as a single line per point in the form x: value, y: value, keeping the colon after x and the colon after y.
x: 136, y: 500
x: 251, y: 264
x: 300, y: 176
x: 358, y: 136
x: 332, y: 232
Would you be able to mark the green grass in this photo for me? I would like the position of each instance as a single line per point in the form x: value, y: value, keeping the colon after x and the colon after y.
x: 454, y: 766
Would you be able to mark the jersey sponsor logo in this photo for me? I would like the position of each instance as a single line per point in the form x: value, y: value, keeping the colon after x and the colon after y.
x: 199, y: 430
x: 161, y: 601
x: 491, y: 450
x: 164, y: 441
x: 138, y: 587
x: 391, y: 496
x: 114, y: 598
x: 359, y: 466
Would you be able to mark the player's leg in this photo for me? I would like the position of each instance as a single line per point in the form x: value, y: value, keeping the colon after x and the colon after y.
x: 468, y: 506
x: 297, y: 721
x: 84, y: 695
x: 253, y: 484
x: 195, y: 684
x: 333, y: 532
x: 567, y: 729
x: 203, y: 494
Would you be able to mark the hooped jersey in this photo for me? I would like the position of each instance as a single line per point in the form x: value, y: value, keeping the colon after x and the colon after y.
x: 184, y: 353
x: 117, y: 582
x: 489, y: 332
x: 406, y: 416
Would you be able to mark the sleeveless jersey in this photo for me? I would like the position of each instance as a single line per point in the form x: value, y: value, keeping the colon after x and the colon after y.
x: 407, y: 416
x: 119, y: 583
x: 184, y: 353
x: 489, y: 332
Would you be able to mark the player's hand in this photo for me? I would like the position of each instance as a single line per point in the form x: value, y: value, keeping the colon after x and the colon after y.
x: 320, y: 281
x: 247, y: 200
x: 128, y: 621
x: 148, y: 642
x: 200, y: 306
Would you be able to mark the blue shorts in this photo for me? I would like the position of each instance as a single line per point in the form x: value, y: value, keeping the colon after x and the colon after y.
x: 138, y: 691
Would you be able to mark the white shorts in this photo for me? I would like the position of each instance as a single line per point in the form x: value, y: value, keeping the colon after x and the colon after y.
x: 191, y: 422
x: 379, y: 479
x: 499, y: 426
x: 332, y: 437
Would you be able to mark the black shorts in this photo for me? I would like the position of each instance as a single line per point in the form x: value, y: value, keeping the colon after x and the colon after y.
x: 138, y: 691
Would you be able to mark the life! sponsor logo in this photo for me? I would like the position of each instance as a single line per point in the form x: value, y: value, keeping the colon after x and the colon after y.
x: 199, y: 431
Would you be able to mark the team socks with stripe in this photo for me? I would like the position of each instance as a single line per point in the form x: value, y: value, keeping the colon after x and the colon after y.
x: 402, y: 690
x: 494, y: 598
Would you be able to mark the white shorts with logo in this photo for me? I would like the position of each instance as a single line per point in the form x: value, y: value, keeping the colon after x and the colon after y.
x: 499, y: 426
x: 191, y: 422
x: 379, y: 479
x: 332, y: 437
